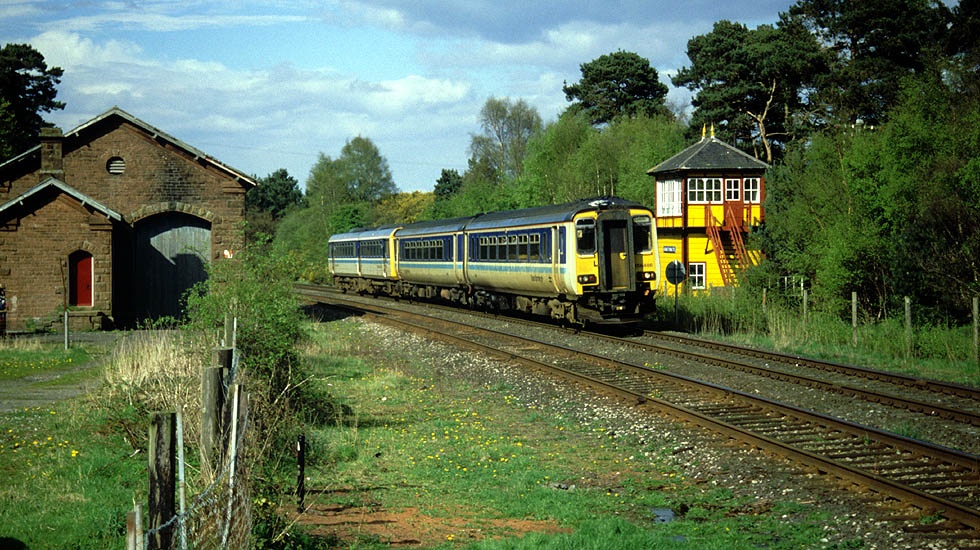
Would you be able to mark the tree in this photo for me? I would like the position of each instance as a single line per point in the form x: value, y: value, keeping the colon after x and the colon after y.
x: 268, y: 202
x: 275, y: 194
x: 405, y: 207
x: 448, y: 184
x: 27, y: 88
x: 360, y: 174
x: 617, y: 84
x: 874, y: 45
x: 751, y: 84
x: 507, y: 126
x: 366, y: 172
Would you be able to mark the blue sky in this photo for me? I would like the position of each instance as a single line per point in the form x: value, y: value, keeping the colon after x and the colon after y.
x: 262, y: 85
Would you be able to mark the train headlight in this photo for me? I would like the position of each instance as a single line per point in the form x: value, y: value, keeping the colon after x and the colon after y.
x: 587, y: 279
x: 648, y: 276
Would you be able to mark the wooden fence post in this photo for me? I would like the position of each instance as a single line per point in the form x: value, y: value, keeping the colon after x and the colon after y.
x: 134, y: 529
x: 213, y: 398
x: 163, y: 429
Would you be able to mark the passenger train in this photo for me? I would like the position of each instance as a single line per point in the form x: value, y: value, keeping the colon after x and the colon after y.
x: 591, y: 261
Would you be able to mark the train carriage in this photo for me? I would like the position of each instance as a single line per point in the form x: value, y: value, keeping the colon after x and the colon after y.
x: 430, y: 255
x: 589, y: 261
x: 363, y: 260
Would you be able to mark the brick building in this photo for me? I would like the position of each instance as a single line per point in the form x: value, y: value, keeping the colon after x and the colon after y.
x: 112, y: 221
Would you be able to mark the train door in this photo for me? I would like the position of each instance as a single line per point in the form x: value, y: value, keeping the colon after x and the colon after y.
x: 460, y: 256
x: 558, y: 256
x: 615, y: 252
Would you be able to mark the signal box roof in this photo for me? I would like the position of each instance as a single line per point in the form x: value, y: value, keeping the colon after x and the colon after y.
x: 709, y: 154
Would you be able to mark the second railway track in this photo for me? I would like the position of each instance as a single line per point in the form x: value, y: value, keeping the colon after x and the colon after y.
x: 930, y: 478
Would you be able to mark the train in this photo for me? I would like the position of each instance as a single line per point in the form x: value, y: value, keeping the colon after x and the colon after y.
x: 590, y: 261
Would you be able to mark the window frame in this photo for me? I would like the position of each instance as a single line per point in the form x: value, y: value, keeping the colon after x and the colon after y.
x: 699, y: 281
x: 705, y: 190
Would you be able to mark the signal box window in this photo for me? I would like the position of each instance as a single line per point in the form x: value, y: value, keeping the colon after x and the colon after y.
x: 704, y: 190
x: 752, y: 190
x: 697, y: 276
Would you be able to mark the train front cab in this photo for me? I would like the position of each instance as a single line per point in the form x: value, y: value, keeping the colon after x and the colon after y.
x: 616, y: 263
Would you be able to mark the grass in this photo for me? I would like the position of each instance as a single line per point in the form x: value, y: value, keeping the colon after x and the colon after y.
x: 72, y: 470
x: 938, y: 352
x: 474, y: 462
x: 20, y: 359
x: 68, y: 479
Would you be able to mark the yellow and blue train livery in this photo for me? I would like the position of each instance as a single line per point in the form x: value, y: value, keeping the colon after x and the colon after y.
x: 588, y: 261
x: 363, y: 261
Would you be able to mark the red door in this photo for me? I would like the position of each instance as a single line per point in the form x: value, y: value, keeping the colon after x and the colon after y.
x: 80, y: 275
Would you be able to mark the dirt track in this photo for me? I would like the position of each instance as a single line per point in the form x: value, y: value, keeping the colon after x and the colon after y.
x: 38, y: 390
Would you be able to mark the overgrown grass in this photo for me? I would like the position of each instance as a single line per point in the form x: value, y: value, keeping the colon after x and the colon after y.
x: 939, y: 352
x: 476, y: 459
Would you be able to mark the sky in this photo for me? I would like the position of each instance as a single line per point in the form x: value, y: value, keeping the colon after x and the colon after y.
x: 263, y: 85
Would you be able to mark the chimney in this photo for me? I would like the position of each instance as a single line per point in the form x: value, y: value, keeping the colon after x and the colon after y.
x: 52, y: 162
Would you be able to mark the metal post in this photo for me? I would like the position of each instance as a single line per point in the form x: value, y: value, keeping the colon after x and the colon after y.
x: 908, y: 327
x: 180, y: 479
x: 854, y: 319
x: 301, y: 478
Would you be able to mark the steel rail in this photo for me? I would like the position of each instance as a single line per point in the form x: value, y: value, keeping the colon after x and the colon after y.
x: 938, y: 386
x: 886, y: 444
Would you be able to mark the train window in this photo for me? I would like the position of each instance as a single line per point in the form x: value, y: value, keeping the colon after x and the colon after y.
x: 522, y: 253
x: 512, y: 247
x: 343, y: 250
x: 642, y: 234
x: 585, y: 236
x: 492, y: 248
x: 534, y: 251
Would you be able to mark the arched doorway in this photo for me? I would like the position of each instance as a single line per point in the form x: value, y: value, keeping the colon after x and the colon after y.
x: 172, y: 254
x: 80, y: 279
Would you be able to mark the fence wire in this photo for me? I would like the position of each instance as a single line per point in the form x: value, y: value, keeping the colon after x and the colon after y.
x: 219, y: 516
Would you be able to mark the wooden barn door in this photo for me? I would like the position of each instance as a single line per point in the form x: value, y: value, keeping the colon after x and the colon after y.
x: 172, y: 254
x: 80, y: 279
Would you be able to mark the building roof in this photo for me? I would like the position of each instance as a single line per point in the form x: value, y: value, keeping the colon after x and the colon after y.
x: 65, y: 188
x: 709, y: 154
x: 155, y: 133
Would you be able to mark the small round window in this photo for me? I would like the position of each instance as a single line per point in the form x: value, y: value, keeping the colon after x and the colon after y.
x: 116, y: 165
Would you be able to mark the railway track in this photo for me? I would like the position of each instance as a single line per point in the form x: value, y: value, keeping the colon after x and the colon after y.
x: 932, y: 480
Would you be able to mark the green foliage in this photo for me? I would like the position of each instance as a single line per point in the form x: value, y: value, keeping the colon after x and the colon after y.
x: 27, y: 88
x: 572, y: 160
x: 359, y: 175
x: 875, y: 46
x: 256, y: 290
x: 617, y: 84
x: 501, y: 147
x: 750, y: 83
x: 886, y: 212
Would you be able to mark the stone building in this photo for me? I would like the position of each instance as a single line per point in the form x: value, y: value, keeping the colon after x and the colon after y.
x: 113, y: 222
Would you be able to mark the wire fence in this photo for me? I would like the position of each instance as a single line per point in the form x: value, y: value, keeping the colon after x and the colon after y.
x: 219, y: 514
